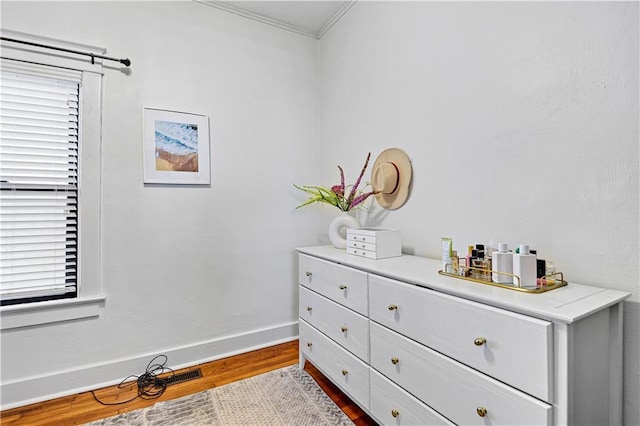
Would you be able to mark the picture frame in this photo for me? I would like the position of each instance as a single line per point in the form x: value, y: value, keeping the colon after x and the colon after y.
x: 176, y: 147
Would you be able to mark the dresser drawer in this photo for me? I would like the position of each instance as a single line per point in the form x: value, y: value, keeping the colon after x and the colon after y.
x: 513, y: 348
x: 454, y: 390
x: 347, y: 328
x: 342, y: 368
x: 361, y: 246
x: 393, y: 406
x: 362, y: 253
x: 360, y: 238
x: 343, y: 285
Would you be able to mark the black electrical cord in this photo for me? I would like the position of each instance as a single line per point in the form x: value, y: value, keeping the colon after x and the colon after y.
x: 150, y: 386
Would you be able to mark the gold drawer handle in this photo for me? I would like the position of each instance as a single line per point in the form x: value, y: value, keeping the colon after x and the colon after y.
x: 395, y: 413
x: 309, y: 274
x: 309, y: 308
x: 345, y: 372
x: 343, y: 287
x: 344, y: 329
x: 395, y: 360
x: 309, y: 344
x: 393, y: 307
x: 481, y: 411
x: 480, y: 341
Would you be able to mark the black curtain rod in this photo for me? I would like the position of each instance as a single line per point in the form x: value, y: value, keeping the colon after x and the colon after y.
x: 125, y: 62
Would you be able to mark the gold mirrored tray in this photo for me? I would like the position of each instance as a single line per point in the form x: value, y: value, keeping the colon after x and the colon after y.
x: 546, y: 283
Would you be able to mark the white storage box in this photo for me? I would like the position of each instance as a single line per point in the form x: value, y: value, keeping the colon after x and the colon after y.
x: 374, y: 243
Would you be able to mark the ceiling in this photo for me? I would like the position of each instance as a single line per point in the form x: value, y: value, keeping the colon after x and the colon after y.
x: 307, y: 17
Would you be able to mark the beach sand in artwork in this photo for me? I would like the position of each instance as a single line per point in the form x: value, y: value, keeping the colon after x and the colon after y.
x: 166, y: 161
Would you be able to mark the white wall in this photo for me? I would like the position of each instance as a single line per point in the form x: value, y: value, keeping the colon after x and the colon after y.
x: 521, y: 120
x: 193, y: 272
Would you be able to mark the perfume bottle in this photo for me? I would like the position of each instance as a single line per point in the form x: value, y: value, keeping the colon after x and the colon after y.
x: 455, y: 263
x: 525, y: 267
x: 479, y: 263
x: 473, y: 273
x: 464, y: 268
x: 468, y: 260
x: 502, y: 261
x: 541, y: 265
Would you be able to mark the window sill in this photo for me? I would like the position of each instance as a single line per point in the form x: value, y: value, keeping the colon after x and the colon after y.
x: 17, y: 316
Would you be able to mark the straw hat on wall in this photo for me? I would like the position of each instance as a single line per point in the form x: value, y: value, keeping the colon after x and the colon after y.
x: 391, y: 178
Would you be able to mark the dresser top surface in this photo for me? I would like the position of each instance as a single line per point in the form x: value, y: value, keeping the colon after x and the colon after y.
x: 565, y: 304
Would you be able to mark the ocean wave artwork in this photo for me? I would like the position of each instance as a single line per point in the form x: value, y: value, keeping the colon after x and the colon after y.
x: 176, y: 146
x: 176, y: 138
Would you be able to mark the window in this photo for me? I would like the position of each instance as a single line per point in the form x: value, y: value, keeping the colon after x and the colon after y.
x: 50, y: 195
x: 38, y: 195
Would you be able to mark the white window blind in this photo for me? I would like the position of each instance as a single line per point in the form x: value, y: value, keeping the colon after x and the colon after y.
x: 39, y: 193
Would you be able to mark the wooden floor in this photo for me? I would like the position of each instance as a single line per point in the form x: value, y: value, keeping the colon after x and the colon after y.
x: 83, y: 408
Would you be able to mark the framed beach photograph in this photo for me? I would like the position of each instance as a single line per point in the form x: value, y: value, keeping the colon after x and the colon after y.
x: 176, y: 147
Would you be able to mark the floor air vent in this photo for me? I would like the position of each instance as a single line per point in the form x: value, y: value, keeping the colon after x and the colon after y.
x: 184, y: 377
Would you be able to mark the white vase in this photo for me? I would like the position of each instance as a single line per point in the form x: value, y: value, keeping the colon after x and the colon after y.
x: 338, y: 229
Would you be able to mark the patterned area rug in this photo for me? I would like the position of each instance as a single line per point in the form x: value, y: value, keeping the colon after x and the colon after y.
x: 287, y: 396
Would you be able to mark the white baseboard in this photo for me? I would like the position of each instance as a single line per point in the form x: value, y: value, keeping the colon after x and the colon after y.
x: 88, y: 377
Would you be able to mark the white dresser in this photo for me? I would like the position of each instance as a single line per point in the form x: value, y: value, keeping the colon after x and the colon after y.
x: 413, y: 347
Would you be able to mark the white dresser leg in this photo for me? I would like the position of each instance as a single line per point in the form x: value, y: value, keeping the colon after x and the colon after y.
x: 301, y: 361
